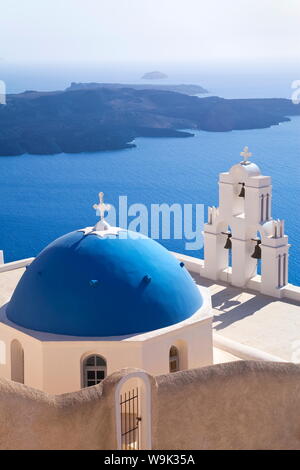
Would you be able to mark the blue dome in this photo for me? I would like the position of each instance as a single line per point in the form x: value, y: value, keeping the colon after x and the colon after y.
x: 85, y: 285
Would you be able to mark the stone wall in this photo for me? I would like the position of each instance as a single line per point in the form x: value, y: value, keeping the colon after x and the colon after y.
x: 238, y: 405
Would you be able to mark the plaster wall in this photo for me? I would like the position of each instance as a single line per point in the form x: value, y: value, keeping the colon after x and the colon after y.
x: 33, y: 357
x: 237, y: 405
x: 63, y: 361
x: 30, y: 419
x: 194, y: 344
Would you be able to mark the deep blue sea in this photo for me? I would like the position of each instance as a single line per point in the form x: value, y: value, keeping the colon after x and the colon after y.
x: 43, y: 197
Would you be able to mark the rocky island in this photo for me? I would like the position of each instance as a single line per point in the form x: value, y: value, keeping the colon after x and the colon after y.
x: 154, y: 75
x: 88, y: 120
x: 186, y: 89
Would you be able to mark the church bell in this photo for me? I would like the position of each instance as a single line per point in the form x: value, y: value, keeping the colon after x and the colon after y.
x: 228, y: 244
x: 257, y: 250
x: 242, y: 193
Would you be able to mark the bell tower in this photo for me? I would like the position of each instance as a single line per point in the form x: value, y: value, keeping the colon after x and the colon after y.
x: 242, y: 226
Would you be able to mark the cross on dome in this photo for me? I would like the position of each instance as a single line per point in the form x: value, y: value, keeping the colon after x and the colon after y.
x: 246, y: 155
x: 102, y: 227
x: 101, y: 207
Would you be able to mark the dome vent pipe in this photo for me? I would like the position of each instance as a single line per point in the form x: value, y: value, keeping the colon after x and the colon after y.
x: 147, y: 279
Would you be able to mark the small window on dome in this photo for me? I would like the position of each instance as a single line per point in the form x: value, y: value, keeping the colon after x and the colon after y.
x: 94, y: 370
x: 174, y: 359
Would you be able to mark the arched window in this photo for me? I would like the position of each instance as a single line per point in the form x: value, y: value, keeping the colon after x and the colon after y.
x: 2, y: 353
x: 174, y: 359
x: 17, y: 361
x: 94, y: 370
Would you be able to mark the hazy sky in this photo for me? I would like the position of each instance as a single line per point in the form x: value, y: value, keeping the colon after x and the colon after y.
x: 149, y: 30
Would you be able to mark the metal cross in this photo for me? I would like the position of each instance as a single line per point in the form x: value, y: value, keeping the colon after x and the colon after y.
x: 246, y: 154
x: 101, y: 207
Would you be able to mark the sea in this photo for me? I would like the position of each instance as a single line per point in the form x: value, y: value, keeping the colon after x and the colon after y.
x: 43, y: 197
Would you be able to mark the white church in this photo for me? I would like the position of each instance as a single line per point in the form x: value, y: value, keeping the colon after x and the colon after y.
x: 98, y: 299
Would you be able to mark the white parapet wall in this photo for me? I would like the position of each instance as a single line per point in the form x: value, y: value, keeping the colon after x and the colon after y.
x: 292, y: 292
x: 242, y: 351
x: 196, y: 265
x: 192, y: 264
x: 15, y: 264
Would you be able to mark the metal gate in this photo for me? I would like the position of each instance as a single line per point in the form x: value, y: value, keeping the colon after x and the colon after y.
x: 130, y: 420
